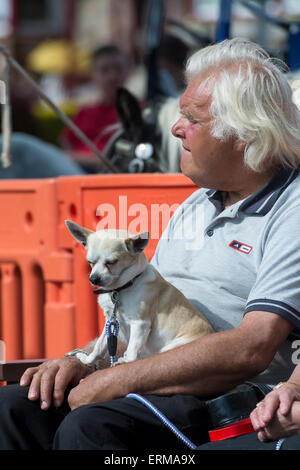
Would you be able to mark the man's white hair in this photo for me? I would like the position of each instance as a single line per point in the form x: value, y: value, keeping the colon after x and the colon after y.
x: 251, y: 101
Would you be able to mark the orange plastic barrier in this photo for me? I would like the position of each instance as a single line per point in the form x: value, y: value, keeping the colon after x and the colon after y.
x: 36, y: 277
x: 46, y: 301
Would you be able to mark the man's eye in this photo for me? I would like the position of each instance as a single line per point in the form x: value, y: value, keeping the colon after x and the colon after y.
x: 190, y: 117
x: 193, y: 120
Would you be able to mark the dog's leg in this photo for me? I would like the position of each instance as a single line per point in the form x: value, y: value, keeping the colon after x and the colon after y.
x: 139, y: 332
x: 98, y: 351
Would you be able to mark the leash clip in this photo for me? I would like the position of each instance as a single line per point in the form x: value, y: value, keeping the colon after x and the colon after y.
x: 115, y: 298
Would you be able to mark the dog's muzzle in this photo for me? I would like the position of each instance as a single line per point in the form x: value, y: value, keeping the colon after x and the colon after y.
x: 95, y: 280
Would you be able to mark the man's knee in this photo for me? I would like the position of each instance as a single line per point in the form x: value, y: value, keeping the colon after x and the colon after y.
x: 92, y: 427
x: 12, y: 396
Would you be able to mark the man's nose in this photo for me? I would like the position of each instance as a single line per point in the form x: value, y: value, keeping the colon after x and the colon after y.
x: 178, y: 129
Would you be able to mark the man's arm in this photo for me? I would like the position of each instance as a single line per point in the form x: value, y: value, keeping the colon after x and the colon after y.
x: 208, y: 366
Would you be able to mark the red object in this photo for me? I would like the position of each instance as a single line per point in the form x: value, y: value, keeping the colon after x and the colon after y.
x: 93, y: 120
x: 236, y: 429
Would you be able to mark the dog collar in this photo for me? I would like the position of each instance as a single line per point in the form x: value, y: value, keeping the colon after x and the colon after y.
x: 104, y: 291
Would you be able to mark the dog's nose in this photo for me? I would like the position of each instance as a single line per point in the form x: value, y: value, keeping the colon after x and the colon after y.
x: 95, y: 279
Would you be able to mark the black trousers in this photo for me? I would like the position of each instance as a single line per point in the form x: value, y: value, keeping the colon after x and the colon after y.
x: 123, y: 424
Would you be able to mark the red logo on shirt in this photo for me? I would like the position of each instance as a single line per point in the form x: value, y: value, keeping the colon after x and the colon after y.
x: 241, y: 247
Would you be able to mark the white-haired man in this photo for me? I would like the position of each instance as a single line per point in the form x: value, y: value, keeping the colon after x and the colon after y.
x: 240, y: 136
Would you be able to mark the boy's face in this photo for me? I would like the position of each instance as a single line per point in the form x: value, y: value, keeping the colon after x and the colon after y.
x: 109, y: 72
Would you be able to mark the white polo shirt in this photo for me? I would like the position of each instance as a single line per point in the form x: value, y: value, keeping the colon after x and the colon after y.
x: 244, y: 258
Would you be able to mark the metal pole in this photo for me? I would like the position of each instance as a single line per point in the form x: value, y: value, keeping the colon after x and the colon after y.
x: 223, y: 25
x: 6, y: 116
x: 153, y: 37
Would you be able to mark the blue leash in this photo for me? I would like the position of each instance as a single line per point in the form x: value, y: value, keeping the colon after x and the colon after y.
x: 112, y: 328
x: 163, y: 418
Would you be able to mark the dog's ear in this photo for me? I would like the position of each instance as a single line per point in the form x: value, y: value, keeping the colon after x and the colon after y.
x: 130, y: 114
x: 137, y: 243
x: 79, y: 233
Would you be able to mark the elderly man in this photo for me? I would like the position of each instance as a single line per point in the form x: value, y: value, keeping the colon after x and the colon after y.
x: 240, y: 136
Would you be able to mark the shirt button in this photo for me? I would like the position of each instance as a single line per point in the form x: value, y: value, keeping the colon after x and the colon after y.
x: 210, y: 233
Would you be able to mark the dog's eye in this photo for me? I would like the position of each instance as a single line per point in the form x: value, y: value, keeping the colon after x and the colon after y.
x: 110, y: 262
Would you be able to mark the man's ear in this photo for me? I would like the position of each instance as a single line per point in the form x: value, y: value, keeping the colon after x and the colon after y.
x: 79, y: 233
x: 137, y: 243
x: 240, y: 145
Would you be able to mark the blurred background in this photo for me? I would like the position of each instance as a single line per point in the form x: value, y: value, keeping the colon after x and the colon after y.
x: 54, y: 41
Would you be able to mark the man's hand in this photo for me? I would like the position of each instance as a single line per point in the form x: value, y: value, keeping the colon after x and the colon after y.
x: 281, y: 425
x: 95, y: 388
x: 272, y: 414
x: 49, y: 380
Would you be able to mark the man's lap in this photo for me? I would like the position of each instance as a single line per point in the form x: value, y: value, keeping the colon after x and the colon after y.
x: 115, y: 425
x: 130, y: 421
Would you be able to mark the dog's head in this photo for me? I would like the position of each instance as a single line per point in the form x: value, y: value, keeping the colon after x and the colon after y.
x: 115, y: 256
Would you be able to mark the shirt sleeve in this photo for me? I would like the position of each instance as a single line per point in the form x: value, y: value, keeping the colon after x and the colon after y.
x: 277, y: 286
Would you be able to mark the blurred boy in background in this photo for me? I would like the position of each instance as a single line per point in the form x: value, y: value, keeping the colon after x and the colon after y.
x: 109, y: 72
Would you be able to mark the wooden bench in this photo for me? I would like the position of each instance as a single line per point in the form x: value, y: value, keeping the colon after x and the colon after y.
x: 11, y: 371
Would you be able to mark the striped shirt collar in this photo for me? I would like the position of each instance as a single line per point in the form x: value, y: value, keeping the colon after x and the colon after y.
x: 263, y: 200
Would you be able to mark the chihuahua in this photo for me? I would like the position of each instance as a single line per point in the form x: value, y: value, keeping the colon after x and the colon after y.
x: 153, y: 315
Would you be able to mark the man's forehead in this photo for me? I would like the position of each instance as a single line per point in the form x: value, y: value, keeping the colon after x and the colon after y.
x: 197, y: 93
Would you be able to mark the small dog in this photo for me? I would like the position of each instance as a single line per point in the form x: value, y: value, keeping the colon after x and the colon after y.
x: 153, y: 315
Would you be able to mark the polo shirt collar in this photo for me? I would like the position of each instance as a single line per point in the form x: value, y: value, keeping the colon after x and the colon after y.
x: 263, y: 200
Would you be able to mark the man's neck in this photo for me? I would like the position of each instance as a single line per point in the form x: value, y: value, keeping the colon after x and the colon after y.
x: 252, y: 186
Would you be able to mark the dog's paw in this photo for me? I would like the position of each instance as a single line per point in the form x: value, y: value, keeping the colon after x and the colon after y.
x: 121, y: 360
x: 84, y: 358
